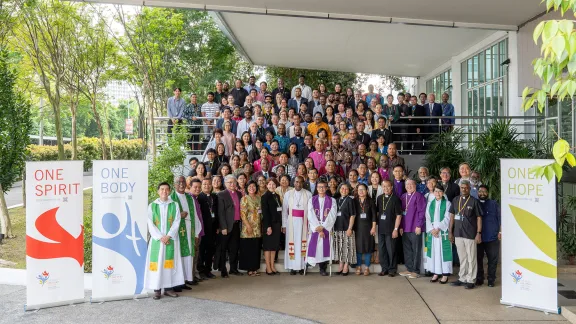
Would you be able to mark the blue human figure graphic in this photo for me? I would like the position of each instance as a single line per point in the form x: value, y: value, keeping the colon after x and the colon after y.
x: 129, y: 243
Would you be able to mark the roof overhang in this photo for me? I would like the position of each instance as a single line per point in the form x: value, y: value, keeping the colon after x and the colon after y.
x: 395, y: 37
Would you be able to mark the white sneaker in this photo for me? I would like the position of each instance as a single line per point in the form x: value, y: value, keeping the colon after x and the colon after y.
x: 404, y: 273
x: 413, y: 275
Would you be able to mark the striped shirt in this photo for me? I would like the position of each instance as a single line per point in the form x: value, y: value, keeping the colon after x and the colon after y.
x: 210, y: 109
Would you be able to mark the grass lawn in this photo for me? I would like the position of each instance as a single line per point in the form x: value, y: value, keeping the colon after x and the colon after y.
x: 15, y: 249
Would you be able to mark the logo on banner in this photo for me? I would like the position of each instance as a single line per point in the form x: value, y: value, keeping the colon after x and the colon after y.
x: 516, y: 276
x: 108, y: 272
x: 129, y: 243
x: 65, y: 246
x: 43, y: 277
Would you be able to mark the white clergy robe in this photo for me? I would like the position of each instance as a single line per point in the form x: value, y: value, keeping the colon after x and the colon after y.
x: 188, y: 261
x: 295, y: 200
x: 328, y: 224
x: 436, y: 263
x: 163, y: 278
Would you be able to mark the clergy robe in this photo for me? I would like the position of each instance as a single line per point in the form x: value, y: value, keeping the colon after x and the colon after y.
x: 295, y: 221
x: 438, y: 250
x: 324, y: 214
x: 163, y: 263
x: 190, y: 228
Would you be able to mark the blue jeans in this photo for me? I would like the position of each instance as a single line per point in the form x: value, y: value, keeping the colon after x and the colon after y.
x: 366, y: 257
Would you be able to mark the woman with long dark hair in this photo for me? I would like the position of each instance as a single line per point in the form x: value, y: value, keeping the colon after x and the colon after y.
x: 271, y: 224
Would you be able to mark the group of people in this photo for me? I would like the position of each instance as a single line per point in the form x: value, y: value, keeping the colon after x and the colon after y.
x: 408, y: 120
x: 320, y: 196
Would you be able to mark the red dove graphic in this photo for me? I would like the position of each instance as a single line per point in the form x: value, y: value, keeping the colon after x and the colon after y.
x: 66, y: 245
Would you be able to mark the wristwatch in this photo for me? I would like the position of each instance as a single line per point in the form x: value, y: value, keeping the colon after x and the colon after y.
x: 395, y: 228
x: 479, y: 233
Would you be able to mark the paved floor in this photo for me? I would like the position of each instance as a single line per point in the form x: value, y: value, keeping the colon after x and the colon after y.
x: 292, y: 299
x: 14, y: 196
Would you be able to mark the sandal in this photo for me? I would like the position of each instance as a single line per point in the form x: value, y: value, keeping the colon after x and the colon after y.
x: 256, y: 273
x: 442, y: 281
x: 366, y: 272
x: 434, y: 278
x: 358, y: 271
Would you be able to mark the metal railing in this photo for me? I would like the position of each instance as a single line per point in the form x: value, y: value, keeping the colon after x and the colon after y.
x: 405, y: 136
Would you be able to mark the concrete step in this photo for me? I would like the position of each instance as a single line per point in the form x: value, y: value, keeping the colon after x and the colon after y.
x: 569, y: 312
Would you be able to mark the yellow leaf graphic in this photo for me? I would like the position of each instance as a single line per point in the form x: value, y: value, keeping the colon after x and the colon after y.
x: 537, y: 231
x: 542, y: 268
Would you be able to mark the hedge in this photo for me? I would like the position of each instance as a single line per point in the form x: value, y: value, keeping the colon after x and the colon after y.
x: 89, y: 149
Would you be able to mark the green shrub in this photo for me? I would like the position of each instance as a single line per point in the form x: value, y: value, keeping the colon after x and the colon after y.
x: 89, y: 149
x: 446, y: 151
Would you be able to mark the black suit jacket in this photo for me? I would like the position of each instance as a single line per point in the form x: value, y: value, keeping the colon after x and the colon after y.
x: 364, y: 139
x: 294, y: 104
x: 452, y: 190
x: 436, y: 112
x: 307, y: 187
x: 206, y: 203
x: 226, y: 210
x: 214, y: 168
x: 304, y: 152
x: 285, y: 93
x: 270, y: 215
x: 259, y: 173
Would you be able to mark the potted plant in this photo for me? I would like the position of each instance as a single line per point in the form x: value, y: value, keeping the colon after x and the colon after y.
x: 567, y: 240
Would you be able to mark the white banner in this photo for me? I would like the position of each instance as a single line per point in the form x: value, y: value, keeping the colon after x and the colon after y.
x: 529, y: 261
x: 54, y: 234
x: 119, y: 221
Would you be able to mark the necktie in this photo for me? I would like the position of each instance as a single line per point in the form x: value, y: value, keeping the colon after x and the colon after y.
x: 431, y: 108
x: 266, y: 175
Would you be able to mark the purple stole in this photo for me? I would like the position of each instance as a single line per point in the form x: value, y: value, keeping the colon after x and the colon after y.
x: 314, y: 238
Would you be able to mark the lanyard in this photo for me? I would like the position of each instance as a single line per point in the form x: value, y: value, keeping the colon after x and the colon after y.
x: 276, y: 199
x: 385, y: 203
x: 342, y: 203
x: 362, y: 204
x: 460, y: 207
x: 408, y: 201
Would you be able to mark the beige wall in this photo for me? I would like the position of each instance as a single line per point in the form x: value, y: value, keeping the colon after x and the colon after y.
x: 528, y: 51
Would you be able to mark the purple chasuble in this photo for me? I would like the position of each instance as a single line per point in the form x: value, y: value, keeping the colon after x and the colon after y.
x: 199, y: 215
x: 315, y: 235
x: 399, y: 188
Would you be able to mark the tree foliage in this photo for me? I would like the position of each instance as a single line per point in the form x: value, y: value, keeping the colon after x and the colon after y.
x: 557, y: 72
x: 446, y: 151
x: 168, y: 162
x: 313, y: 77
x: 14, y: 135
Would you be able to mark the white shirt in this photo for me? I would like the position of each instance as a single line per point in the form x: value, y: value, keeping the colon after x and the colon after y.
x: 306, y: 92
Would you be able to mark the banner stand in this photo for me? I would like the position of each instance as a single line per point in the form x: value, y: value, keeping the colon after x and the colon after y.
x: 529, y: 268
x: 114, y: 298
x: 57, y: 304
x: 546, y: 311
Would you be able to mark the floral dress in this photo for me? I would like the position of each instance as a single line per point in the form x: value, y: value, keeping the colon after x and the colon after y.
x: 251, y: 213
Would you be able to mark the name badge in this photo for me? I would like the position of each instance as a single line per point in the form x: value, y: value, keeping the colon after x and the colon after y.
x: 363, y: 215
x: 458, y: 217
x: 278, y: 208
x: 212, y: 214
x: 383, y: 216
x: 259, y: 211
x: 338, y: 214
x: 404, y: 213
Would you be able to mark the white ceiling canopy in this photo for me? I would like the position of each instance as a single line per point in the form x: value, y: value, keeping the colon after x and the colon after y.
x: 396, y: 37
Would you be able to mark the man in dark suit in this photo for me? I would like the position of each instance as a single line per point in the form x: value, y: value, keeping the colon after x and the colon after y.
x: 307, y: 149
x: 312, y: 183
x: 362, y: 137
x: 212, y: 164
x: 239, y: 93
x: 229, y: 223
x: 280, y: 89
x: 298, y: 100
x: 433, y: 110
x: 208, y: 203
x: 264, y: 172
x: 451, y: 189
x: 417, y: 128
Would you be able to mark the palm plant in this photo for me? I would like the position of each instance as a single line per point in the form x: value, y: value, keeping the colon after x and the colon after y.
x: 446, y: 151
x: 500, y: 140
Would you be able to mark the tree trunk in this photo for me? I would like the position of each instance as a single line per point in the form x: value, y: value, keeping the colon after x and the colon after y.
x: 109, y: 132
x: 100, y: 130
x: 56, y: 108
x: 151, y: 117
x: 5, y: 224
x: 74, y: 135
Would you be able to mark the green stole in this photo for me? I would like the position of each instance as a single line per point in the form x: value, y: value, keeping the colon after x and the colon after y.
x: 156, y: 244
x: 182, y: 232
x: 446, y: 245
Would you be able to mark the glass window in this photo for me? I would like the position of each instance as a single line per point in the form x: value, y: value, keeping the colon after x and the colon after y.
x: 481, y: 73
x: 470, y: 73
x: 489, y: 58
x: 567, y: 120
x: 495, y: 66
x: 475, y: 70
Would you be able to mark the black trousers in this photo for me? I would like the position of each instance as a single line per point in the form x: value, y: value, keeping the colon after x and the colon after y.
x: 402, y: 137
x: 171, y: 124
x: 387, y: 253
x: 323, y: 265
x: 492, y: 250
x: 206, y: 253
x: 412, y: 245
x: 230, y: 243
